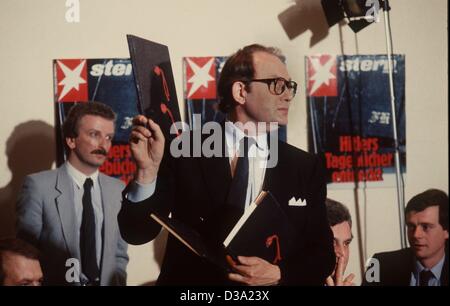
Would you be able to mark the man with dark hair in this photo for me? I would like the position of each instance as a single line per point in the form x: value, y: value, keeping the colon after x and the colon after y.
x: 425, y: 262
x: 255, y: 91
x: 239, y: 67
x: 340, y: 222
x: 71, y: 123
x: 70, y: 214
x: 19, y: 263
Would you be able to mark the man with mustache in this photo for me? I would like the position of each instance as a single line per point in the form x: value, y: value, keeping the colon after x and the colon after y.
x: 70, y: 213
x: 425, y: 262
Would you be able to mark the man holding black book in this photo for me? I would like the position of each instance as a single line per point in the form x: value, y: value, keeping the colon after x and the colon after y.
x: 210, y: 193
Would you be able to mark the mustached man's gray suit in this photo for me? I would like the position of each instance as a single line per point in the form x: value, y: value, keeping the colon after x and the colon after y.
x: 46, y: 218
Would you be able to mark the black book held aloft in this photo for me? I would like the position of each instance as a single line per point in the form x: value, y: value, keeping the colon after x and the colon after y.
x: 263, y: 231
x: 157, y: 97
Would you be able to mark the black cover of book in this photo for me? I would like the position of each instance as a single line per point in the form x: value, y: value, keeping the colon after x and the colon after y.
x: 192, y: 240
x: 154, y: 82
x: 263, y: 231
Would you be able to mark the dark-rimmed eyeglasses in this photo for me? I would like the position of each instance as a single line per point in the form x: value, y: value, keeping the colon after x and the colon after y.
x: 277, y: 86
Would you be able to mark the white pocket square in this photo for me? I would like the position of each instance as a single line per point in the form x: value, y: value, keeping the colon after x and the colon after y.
x: 299, y: 202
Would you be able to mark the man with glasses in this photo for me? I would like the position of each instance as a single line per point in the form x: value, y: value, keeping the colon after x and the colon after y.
x: 256, y: 91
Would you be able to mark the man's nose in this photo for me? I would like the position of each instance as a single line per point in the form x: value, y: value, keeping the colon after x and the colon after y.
x: 339, y: 250
x: 105, y: 143
x: 102, y: 142
x: 288, y: 95
x: 418, y: 232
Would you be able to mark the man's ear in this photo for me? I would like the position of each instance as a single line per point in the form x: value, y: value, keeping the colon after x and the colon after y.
x: 70, y: 142
x: 239, y: 92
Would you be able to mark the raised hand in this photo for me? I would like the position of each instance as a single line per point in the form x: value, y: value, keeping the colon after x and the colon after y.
x: 147, y: 147
x: 338, y: 278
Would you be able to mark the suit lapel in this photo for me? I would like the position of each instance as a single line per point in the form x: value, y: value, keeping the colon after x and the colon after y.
x: 108, y: 250
x: 268, y: 179
x: 217, y: 172
x: 444, y: 273
x: 405, y: 273
x: 66, y: 211
x: 274, y: 172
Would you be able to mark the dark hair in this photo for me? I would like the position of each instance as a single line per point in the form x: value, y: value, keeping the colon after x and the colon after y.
x: 428, y: 198
x: 337, y: 213
x: 79, y: 110
x: 16, y: 246
x: 239, y: 67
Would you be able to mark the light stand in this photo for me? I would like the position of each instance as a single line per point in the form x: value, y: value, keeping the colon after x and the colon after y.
x: 355, y: 11
x: 398, y: 175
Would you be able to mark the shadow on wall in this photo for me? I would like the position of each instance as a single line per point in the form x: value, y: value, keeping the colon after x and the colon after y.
x: 302, y: 16
x: 159, y: 247
x: 30, y: 148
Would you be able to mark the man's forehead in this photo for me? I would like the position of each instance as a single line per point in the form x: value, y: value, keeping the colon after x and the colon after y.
x: 428, y: 214
x: 96, y: 122
x: 342, y: 229
x: 258, y: 55
x: 91, y: 117
x: 269, y: 63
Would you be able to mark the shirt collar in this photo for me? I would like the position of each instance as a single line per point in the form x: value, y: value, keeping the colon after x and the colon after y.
x: 233, y: 136
x: 79, y: 177
x: 436, y: 270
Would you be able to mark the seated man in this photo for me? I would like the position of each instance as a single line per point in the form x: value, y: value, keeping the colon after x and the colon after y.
x: 341, y: 225
x: 425, y: 263
x: 19, y: 264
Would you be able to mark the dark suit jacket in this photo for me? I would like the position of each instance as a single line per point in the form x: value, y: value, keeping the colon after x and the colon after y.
x: 194, y: 190
x: 396, y: 268
x: 46, y: 218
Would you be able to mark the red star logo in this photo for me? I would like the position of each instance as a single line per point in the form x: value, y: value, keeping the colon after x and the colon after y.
x: 200, y: 78
x: 322, y: 81
x: 71, y: 80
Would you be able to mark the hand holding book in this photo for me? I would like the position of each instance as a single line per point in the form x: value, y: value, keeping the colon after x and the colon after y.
x: 254, y: 271
x: 259, y: 240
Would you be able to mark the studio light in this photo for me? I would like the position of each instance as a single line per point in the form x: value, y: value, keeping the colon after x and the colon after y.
x: 358, y: 13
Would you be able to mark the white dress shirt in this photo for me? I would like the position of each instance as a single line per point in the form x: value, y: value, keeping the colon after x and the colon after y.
x: 78, y: 179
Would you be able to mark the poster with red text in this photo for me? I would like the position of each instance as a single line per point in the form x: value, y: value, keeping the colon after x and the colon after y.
x: 350, y: 119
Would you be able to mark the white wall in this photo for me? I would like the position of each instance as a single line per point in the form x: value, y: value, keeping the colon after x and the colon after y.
x: 33, y: 32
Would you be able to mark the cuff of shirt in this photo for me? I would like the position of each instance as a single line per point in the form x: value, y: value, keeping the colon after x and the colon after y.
x: 140, y: 192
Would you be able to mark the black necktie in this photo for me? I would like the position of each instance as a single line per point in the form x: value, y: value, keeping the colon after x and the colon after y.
x: 87, y: 235
x: 238, y: 188
x: 424, y: 277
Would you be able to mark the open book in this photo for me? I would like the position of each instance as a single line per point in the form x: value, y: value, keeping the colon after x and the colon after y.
x: 263, y: 231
